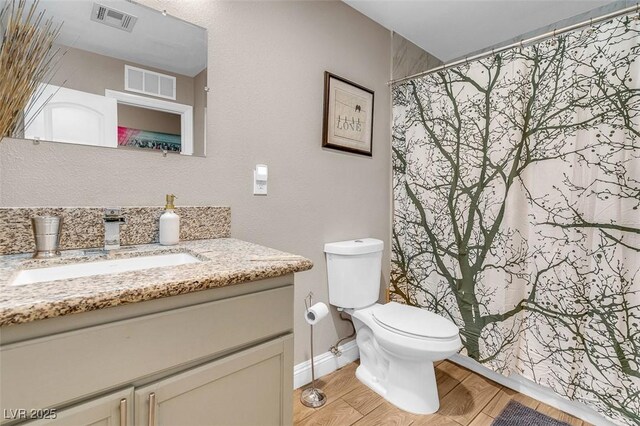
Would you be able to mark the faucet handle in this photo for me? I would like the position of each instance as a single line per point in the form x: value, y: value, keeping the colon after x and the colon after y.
x: 113, y: 214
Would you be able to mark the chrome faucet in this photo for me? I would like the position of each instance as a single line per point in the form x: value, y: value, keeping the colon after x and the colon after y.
x: 112, y: 218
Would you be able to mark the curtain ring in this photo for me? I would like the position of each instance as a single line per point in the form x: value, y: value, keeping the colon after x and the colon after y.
x: 466, y: 60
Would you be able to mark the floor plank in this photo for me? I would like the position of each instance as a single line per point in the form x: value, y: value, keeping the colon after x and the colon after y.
x: 502, y: 398
x: 468, y: 399
x: 434, y: 419
x: 448, y: 376
x: 337, y: 413
x: 334, y: 386
x: 388, y: 415
x: 363, y: 399
x: 482, y: 420
x: 454, y: 370
x: 568, y: 418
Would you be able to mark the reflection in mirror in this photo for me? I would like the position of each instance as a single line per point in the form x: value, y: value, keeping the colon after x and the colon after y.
x: 147, y: 128
x: 131, y: 78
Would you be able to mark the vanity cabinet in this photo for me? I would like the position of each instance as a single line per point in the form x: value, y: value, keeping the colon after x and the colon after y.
x: 221, y: 356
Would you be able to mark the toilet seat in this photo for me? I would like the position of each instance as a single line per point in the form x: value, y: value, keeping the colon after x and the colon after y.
x: 414, y: 322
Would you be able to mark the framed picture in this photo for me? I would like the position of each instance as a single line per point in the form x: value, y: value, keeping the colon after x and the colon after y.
x: 348, y: 116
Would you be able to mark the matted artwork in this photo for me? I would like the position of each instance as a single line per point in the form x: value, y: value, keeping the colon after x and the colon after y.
x: 348, y: 116
x: 136, y: 138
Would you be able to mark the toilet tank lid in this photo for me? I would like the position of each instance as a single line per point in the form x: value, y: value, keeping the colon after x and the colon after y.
x: 353, y: 247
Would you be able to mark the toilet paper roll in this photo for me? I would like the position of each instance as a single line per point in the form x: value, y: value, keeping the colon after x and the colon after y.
x: 315, y: 313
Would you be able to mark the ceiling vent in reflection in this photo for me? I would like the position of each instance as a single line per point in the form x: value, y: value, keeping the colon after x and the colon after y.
x: 112, y: 17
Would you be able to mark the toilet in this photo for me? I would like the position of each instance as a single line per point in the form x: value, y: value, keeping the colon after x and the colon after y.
x: 398, y: 343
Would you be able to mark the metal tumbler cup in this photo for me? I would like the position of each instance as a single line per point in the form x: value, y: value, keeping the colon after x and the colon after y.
x: 46, y: 232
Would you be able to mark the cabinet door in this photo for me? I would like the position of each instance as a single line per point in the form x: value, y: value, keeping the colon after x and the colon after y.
x: 251, y: 387
x: 115, y: 409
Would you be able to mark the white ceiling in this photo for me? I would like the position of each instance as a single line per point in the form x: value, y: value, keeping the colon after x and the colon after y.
x: 157, y: 41
x: 451, y: 29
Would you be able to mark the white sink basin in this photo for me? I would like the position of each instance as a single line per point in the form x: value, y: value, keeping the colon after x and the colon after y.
x: 103, y: 267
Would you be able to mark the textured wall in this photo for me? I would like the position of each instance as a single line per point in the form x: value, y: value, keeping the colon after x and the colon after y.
x: 93, y: 73
x: 409, y: 59
x: 199, y: 112
x: 266, y: 70
x: 149, y: 119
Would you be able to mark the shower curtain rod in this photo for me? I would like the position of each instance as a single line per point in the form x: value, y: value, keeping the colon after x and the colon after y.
x: 521, y: 43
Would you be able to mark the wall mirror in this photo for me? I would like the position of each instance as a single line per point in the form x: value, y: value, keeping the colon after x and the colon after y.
x: 130, y: 78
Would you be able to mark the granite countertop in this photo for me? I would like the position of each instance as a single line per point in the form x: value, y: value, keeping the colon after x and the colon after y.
x: 224, y: 262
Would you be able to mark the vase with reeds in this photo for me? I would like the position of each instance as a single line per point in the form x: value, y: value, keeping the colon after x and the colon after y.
x: 27, y: 59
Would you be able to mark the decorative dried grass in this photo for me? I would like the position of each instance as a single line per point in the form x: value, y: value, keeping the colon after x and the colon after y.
x: 27, y: 58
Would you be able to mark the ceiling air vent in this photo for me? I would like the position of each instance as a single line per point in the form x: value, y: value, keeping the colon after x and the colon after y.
x: 112, y: 17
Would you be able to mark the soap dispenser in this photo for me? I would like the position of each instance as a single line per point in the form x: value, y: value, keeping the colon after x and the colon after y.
x: 169, y: 224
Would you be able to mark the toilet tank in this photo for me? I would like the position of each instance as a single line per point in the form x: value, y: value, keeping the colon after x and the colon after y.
x: 353, y: 272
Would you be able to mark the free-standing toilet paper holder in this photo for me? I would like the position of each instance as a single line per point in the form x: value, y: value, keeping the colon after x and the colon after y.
x: 311, y: 396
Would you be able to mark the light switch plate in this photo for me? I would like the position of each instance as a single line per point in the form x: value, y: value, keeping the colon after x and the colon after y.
x: 259, y: 186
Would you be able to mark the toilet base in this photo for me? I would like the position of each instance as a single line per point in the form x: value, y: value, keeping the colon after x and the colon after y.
x: 410, y: 386
x: 399, y: 368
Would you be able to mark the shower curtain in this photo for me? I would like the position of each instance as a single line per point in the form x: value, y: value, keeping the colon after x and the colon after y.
x: 517, y: 210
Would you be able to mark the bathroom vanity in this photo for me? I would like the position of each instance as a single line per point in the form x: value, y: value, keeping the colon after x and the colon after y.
x: 197, y: 344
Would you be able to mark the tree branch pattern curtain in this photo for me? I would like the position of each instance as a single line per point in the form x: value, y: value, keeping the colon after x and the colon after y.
x: 516, y: 210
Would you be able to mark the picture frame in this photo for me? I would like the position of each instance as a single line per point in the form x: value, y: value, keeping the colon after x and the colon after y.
x: 348, y: 116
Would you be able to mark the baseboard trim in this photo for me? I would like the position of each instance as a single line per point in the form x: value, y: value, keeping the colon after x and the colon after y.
x: 325, y: 363
x: 536, y: 391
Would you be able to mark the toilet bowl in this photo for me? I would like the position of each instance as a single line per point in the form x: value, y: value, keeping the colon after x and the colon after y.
x: 398, y: 343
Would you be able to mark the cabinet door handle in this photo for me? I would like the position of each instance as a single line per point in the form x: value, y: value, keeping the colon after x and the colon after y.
x: 123, y: 412
x: 152, y: 409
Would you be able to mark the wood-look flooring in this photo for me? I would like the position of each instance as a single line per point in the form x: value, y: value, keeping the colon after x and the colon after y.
x: 466, y: 399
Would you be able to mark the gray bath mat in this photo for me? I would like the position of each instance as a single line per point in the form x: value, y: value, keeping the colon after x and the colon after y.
x: 517, y: 414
